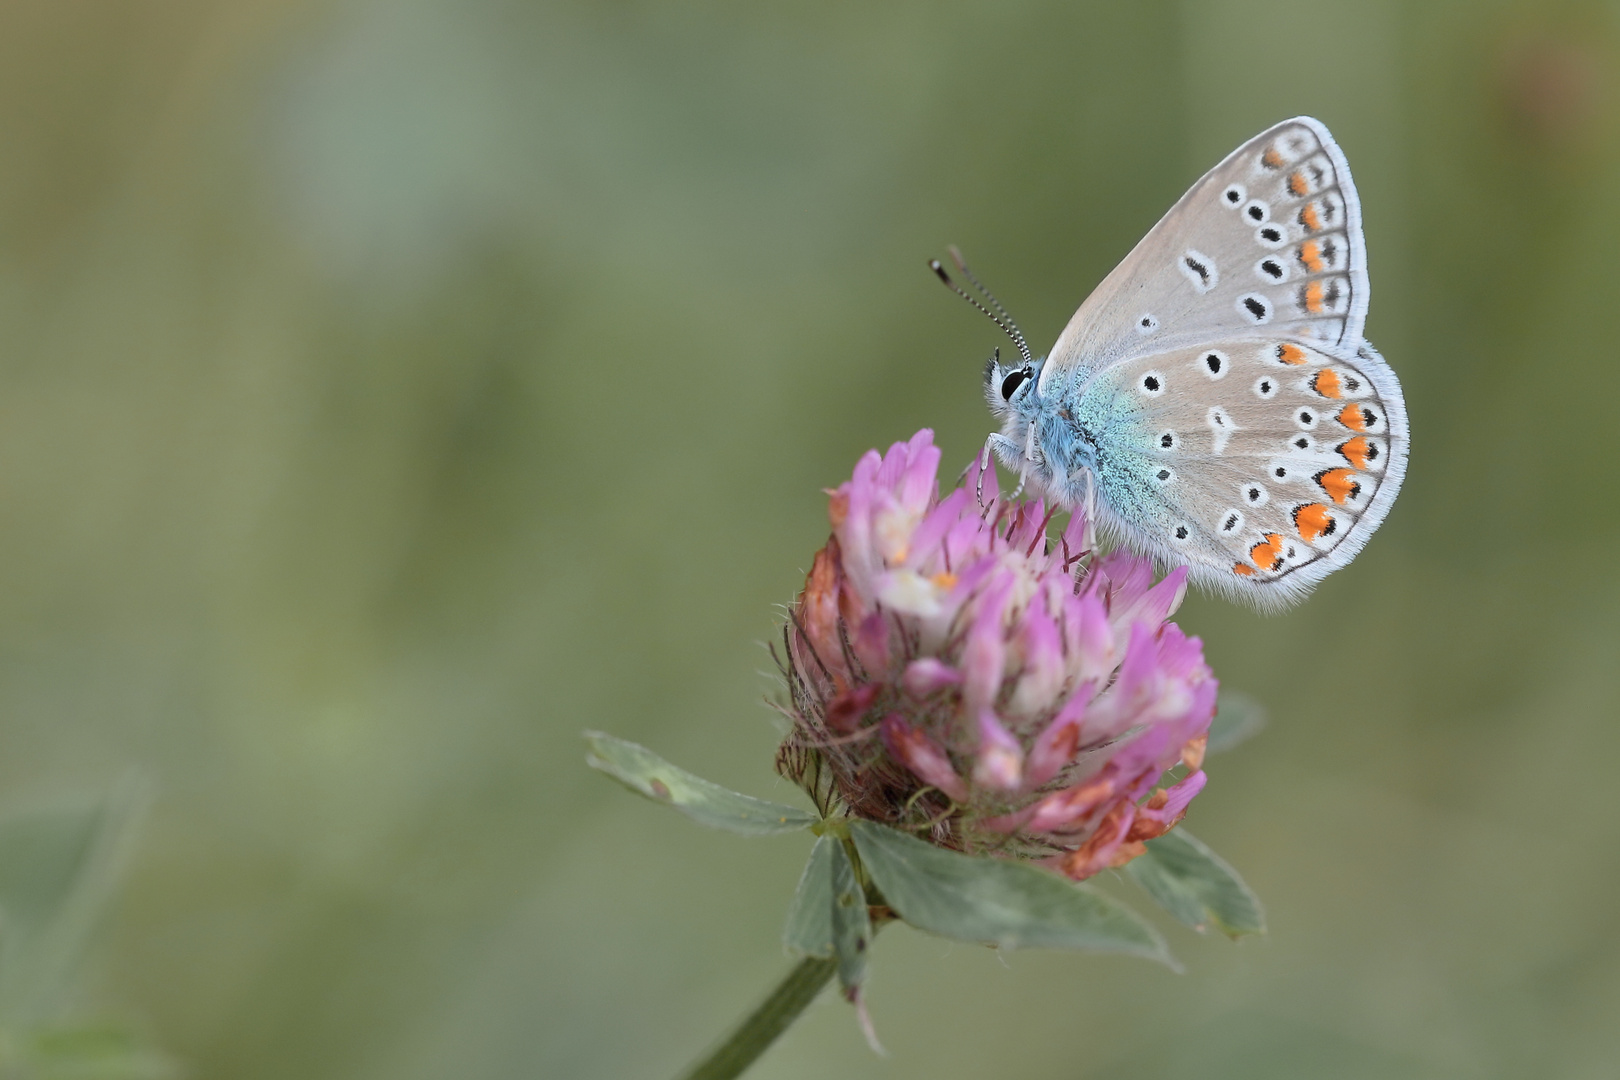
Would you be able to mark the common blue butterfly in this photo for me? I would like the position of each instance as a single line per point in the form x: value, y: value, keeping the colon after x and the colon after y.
x: 1213, y: 402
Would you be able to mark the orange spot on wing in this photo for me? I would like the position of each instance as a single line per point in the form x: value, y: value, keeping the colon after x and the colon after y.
x: 1352, y: 417
x: 1356, y: 451
x: 1326, y: 383
x: 1271, y: 159
x: 1290, y: 353
x: 1310, y: 253
x: 1242, y: 570
x: 1340, y: 484
x: 1313, y: 298
x: 1309, y: 218
x: 1267, y: 554
x: 1313, y: 521
x: 1296, y: 184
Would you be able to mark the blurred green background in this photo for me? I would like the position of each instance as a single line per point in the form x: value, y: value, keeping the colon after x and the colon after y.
x: 390, y: 389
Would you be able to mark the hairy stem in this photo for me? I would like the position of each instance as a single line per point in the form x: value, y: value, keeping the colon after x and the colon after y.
x: 762, y: 1027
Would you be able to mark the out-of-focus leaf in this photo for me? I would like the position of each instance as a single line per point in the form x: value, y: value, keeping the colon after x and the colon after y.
x: 58, y: 868
x: 1196, y: 886
x: 995, y: 901
x: 645, y: 773
x: 1238, y: 718
x: 809, y: 930
x: 93, y: 1052
x: 851, y: 923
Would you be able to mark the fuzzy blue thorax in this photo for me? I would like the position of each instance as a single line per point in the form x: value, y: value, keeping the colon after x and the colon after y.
x: 1054, y: 440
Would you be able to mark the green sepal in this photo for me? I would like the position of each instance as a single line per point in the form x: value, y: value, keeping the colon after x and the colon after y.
x: 851, y: 922
x: 1238, y: 718
x: 645, y: 773
x: 809, y: 929
x: 997, y: 901
x: 1196, y: 886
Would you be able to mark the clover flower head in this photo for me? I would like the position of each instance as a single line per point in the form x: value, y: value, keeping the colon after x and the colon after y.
x: 957, y: 672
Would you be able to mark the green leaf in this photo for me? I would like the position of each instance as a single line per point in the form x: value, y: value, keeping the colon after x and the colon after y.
x: 59, y: 866
x: 1238, y: 718
x: 809, y: 930
x: 93, y: 1052
x: 995, y: 901
x: 1196, y: 886
x: 851, y: 922
x: 645, y: 773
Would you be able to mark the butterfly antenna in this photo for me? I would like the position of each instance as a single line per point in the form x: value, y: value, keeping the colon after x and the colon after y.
x: 1002, y: 320
x: 961, y: 264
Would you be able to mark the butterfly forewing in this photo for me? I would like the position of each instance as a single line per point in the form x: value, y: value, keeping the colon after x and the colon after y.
x: 1261, y: 463
x: 1269, y: 242
x: 1215, y: 392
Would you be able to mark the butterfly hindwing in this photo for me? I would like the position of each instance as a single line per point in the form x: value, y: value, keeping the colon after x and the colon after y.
x: 1262, y: 463
x: 1269, y: 241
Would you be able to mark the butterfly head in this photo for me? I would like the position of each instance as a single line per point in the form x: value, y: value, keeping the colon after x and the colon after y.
x: 1010, y: 388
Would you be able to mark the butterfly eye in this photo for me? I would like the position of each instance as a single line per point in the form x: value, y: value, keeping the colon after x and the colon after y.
x: 1010, y: 385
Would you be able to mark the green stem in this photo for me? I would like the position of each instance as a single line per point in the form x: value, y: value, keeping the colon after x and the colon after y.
x: 761, y: 1027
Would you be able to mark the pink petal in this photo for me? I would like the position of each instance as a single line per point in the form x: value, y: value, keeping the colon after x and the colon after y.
x: 872, y: 644
x: 1044, y: 672
x: 991, y: 483
x: 926, y: 550
x: 917, y: 752
x: 1025, y: 529
x: 984, y: 654
x: 919, y: 486
x: 1056, y: 745
x: 893, y: 467
x: 1157, y: 604
x: 1092, y: 637
x: 1001, y: 760
x: 1062, y: 809
x: 928, y: 676
x: 1098, y: 852
x: 1181, y: 794
x: 1118, y: 708
x: 1074, y: 536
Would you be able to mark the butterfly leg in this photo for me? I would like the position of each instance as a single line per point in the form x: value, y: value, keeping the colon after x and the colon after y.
x: 1089, y: 535
x: 1019, y: 490
x: 1032, y: 456
x: 1005, y: 449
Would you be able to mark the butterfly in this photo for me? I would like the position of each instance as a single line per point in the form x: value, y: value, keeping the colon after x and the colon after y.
x: 1213, y: 404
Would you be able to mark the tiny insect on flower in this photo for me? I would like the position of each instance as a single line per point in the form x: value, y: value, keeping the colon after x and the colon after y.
x: 956, y: 671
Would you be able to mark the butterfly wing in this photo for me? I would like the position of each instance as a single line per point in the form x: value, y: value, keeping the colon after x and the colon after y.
x: 1262, y: 464
x: 1268, y: 243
